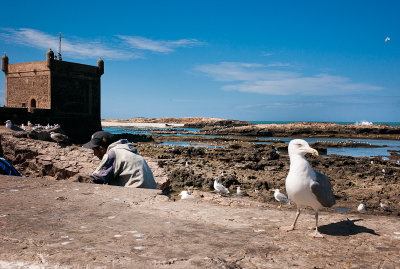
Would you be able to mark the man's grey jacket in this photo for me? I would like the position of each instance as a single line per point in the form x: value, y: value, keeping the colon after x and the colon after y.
x: 123, y: 166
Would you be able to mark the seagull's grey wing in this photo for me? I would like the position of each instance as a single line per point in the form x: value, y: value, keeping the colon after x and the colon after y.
x: 282, y: 198
x: 322, y: 189
x: 16, y: 128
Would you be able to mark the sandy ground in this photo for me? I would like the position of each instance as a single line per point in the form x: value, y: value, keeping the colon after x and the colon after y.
x: 61, y: 224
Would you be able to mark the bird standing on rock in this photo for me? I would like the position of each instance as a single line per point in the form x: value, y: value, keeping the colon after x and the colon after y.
x: 219, y: 187
x: 280, y: 197
x: 11, y: 126
x: 305, y: 186
x: 59, y: 138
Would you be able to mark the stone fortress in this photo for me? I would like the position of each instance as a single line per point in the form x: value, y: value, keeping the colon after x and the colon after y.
x: 54, y: 91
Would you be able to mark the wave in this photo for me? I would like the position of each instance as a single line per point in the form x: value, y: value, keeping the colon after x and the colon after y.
x: 364, y: 122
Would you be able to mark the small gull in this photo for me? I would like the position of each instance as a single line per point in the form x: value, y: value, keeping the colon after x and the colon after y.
x: 238, y: 191
x: 219, y: 187
x: 11, y: 126
x: 305, y: 186
x: 59, y: 138
x: 384, y: 206
x: 186, y: 195
x: 387, y: 39
x: 362, y: 208
x: 280, y: 197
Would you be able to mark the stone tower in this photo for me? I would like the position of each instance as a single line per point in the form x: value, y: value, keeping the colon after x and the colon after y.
x: 54, y: 91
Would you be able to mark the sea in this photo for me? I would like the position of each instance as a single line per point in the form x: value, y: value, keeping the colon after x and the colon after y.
x: 382, y: 151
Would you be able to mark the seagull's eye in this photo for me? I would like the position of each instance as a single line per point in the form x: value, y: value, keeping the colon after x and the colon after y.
x: 298, y: 145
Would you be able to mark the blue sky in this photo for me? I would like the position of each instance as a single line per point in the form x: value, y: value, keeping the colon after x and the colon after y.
x: 246, y: 60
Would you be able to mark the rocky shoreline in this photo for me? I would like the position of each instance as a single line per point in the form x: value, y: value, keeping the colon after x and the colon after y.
x: 236, y: 162
x: 213, y: 126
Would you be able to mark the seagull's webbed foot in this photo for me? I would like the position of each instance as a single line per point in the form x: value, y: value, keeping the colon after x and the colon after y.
x: 316, y: 234
x: 287, y: 228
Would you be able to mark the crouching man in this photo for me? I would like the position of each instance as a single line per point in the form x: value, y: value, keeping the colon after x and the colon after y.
x: 120, y: 164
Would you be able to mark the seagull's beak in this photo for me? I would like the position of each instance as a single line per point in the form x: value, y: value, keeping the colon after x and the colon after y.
x: 313, y: 151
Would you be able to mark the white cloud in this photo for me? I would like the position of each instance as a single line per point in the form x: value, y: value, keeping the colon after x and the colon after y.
x: 268, y: 79
x: 124, y: 47
x: 71, y: 48
x: 267, y: 54
x: 142, y: 43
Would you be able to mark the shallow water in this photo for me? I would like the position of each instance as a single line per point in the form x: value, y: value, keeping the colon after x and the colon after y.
x: 352, y: 152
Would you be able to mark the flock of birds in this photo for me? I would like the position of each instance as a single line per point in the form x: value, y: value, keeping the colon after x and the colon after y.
x: 304, y: 186
x: 57, y: 137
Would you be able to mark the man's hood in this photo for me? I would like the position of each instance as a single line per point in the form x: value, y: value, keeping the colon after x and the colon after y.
x: 122, y: 144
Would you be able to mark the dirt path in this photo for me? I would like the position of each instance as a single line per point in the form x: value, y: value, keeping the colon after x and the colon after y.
x: 60, y: 224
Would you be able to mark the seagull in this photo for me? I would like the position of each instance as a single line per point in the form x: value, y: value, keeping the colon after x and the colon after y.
x: 280, y: 197
x: 362, y: 208
x: 186, y: 195
x: 305, y: 186
x: 387, y: 39
x: 38, y: 127
x: 23, y: 127
x: 219, y: 187
x: 187, y: 164
x: 29, y: 124
x: 384, y: 206
x: 238, y: 191
x: 59, y: 138
x: 13, y: 127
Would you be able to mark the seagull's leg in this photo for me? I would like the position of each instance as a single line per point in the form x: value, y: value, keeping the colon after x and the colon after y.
x: 316, y: 233
x: 291, y: 228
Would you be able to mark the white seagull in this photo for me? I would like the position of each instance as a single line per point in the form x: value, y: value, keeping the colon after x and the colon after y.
x: 13, y: 127
x: 387, y: 39
x: 362, y: 208
x: 186, y: 195
x: 238, y: 191
x: 305, y: 186
x: 59, y: 138
x: 219, y: 187
x: 280, y: 197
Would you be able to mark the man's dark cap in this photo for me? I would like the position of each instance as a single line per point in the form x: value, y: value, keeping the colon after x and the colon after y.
x: 100, y: 138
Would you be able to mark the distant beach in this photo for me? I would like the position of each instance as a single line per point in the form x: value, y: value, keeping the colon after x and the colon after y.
x: 140, y: 124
